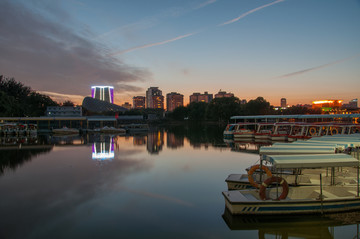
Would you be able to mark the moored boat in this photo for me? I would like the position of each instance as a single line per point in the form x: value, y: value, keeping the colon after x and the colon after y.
x: 302, y: 199
x: 65, y: 131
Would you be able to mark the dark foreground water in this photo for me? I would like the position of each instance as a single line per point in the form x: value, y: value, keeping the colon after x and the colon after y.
x: 163, y: 184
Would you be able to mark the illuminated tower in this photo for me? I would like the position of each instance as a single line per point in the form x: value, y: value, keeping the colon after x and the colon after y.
x: 174, y: 100
x: 105, y: 93
x: 283, y: 102
x: 154, y: 98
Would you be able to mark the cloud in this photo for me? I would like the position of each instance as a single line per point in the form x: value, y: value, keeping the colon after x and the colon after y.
x: 204, y: 4
x: 47, y: 55
x: 151, y: 44
x: 317, y: 67
x: 63, y: 97
x: 249, y: 12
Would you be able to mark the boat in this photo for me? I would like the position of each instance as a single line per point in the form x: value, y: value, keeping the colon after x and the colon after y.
x: 244, y: 131
x: 136, y: 128
x: 112, y: 130
x: 281, y: 131
x: 229, y: 131
x: 264, y: 131
x: 65, y: 131
x: 315, y: 199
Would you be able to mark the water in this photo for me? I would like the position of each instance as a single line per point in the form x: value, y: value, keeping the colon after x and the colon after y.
x: 163, y: 184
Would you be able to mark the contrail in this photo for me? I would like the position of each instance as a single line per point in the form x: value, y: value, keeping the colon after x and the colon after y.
x: 317, y: 67
x: 249, y: 12
x: 151, y: 45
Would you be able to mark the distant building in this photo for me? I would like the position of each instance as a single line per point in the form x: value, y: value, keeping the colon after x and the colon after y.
x: 283, y: 103
x: 243, y: 102
x: 104, y: 93
x: 174, y: 100
x: 154, y: 98
x: 126, y: 105
x: 353, y: 104
x: 327, y: 105
x: 197, y: 97
x: 222, y: 94
x: 63, y: 111
x: 139, y: 102
x: 96, y: 106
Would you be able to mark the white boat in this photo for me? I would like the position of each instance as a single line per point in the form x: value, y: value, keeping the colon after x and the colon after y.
x: 65, y: 131
x: 136, y: 128
x: 229, y: 131
x: 264, y: 131
x: 112, y: 130
x: 301, y: 199
x: 244, y: 131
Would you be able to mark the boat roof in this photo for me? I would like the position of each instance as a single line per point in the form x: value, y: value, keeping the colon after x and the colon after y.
x: 297, y: 150
x: 312, y: 161
x: 314, y: 116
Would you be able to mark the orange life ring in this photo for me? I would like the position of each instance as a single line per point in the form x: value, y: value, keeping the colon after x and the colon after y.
x: 312, y: 131
x: 334, y: 131
x: 355, y: 130
x: 252, y: 170
x: 273, y: 179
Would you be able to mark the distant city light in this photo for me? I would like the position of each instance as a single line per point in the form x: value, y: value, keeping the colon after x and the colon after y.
x: 317, y: 102
x: 105, y: 93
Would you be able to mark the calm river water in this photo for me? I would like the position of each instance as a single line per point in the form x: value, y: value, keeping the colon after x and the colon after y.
x: 166, y: 183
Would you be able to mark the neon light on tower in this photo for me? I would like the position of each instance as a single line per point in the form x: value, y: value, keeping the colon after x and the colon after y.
x: 105, y: 93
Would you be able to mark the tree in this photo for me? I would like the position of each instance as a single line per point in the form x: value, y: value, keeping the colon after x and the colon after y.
x: 17, y: 100
x: 259, y: 106
x: 221, y: 109
x: 179, y: 113
x: 68, y: 103
x: 197, y: 111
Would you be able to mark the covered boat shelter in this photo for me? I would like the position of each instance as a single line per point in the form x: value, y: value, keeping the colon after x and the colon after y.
x: 343, y: 118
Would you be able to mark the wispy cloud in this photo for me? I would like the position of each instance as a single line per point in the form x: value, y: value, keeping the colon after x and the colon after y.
x: 317, y: 67
x: 151, y: 44
x: 63, y: 97
x: 204, y: 4
x: 249, y: 12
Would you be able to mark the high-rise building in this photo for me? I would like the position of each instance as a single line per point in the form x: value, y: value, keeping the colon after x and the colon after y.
x: 154, y: 98
x: 139, y: 102
x: 105, y: 93
x: 197, y: 97
x: 174, y: 100
x: 283, y: 102
x: 222, y: 94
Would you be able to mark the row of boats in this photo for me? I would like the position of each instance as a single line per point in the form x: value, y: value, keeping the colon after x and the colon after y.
x: 287, y: 131
x: 299, y: 181
x: 15, y: 129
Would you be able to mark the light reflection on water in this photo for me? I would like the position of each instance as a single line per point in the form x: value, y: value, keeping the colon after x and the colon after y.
x: 166, y: 183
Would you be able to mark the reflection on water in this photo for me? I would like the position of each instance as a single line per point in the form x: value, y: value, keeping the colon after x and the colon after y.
x: 299, y: 226
x: 103, y: 150
x: 164, y: 183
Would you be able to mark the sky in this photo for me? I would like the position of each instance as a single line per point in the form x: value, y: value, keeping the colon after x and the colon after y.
x: 301, y: 50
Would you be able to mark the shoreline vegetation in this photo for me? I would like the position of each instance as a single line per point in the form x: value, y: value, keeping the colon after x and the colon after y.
x: 18, y: 100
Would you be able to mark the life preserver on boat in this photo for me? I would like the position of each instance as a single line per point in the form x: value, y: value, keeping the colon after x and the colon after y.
x: 274, y: 179
x: 334, y: 131
x: 312, y: 131
x: 252, y: 170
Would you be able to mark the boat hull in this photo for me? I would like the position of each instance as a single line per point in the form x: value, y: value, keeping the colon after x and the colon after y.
x: 283, y: 207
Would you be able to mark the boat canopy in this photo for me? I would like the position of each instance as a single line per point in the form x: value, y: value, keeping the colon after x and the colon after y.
x: 314, y: 116
x: 297, y: 150
x: 312, y: 161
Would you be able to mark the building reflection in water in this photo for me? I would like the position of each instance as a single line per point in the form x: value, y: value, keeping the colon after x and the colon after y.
x: 174, y: 141
x: 155, y: 142
x: 139, y: 140
x: 103, y: 150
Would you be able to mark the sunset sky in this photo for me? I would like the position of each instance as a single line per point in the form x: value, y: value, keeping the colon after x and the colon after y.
x: 302, y: 50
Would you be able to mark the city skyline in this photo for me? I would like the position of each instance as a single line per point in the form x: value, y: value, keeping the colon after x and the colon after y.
x: 299, y: 50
